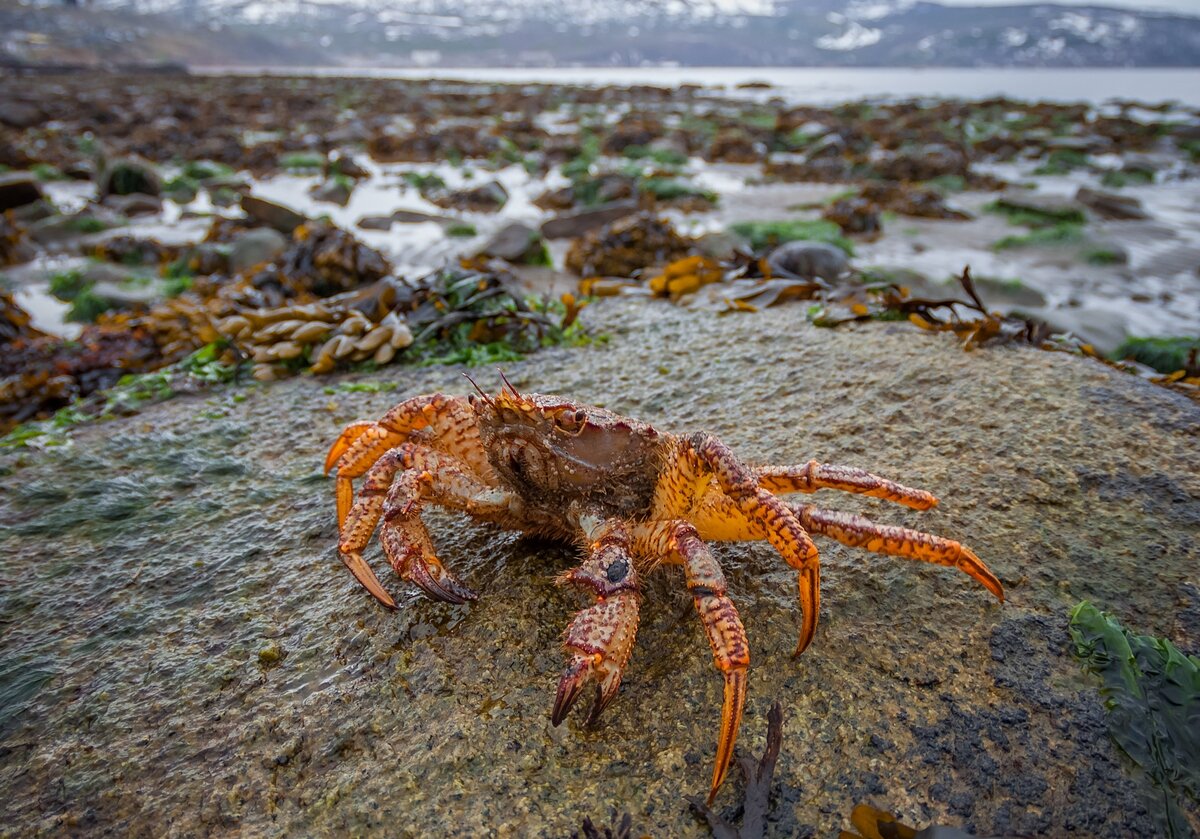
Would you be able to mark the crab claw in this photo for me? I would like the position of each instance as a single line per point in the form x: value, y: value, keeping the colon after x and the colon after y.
x: 422, y: 569
x: 579, y: 672
x: 432, y: 577
x: 731, y: 718
x: 601, y: 639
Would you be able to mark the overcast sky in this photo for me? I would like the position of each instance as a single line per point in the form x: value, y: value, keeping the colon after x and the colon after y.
x: 1187, y: 6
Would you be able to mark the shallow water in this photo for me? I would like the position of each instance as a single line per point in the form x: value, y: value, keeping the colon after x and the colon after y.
x: 824, y: 85
x: 1156, y: 294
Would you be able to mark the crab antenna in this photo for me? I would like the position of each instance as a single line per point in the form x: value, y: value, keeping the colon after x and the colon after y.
x: 477, y: 387
x: 508, y: 383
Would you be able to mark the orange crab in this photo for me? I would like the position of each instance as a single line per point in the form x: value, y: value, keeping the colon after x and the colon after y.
x: 631, y: 496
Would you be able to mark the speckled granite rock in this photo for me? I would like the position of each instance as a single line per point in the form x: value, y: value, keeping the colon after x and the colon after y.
x: 183, y: 654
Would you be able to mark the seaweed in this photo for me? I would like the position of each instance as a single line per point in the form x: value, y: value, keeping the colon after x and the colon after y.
x: 756, y: 798
x: 302, y: 162
x: 669, y: 189
x: 660, y: 156
x: 1166, y: 355
x: 1028, y: 216
x: 201, y: 369
x: 1151, y: 691
x: 478, y: 315
x: 424, y: 181
x: 1058, y: 234
x: 619, y: 829
x: 1062, y: 161
x: 769, y: 234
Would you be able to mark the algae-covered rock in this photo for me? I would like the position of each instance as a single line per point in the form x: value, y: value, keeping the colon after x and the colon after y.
x: 148, y: 567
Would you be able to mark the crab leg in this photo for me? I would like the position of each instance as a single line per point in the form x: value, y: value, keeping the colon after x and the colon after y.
x: 362, y: 443
x: 719, y: 520
x: 404, y: 537
x: 407, y: 544
x: 600, y: 638
x: 686, y: 482
x: 677, y: 542
x: 813, y: 476
x: 860, y: 532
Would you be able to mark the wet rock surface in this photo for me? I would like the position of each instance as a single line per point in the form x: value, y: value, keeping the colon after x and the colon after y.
x: 182, y: 647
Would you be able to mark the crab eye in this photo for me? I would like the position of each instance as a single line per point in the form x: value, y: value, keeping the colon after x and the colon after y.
x: 567, y: 422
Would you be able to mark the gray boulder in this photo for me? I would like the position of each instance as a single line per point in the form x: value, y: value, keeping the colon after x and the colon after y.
x: 572, y: 225
x: 255, y: 247
x: 1110, y: 205
x: 134, y: 204
x: 808, y: 260
x: 515, y: 242
x: 268, y: 213
x: 335, y: 191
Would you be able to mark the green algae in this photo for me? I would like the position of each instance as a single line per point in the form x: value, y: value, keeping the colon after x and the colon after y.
x: 129, y: 395
x: 1151, y: 691
x: 1166, y: 355
x: 770, y: 234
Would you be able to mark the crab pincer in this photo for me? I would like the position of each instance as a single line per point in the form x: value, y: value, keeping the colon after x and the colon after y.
x: 601, y: 636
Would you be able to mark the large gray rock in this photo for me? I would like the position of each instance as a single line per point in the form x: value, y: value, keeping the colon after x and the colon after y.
x: 573, y: 225
x: 268, y: 213
x: 334, y: 190
x: 20, y: 115
x: 182, y: 615
x: 402, y: 217
x: 514, y: 242
x: 808, y: 260
x: 134, y: 204
x: 486, y: 198
x: 1110, y: 205
x: 255, y: 247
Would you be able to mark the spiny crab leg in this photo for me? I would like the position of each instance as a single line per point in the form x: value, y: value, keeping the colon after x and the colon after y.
x: 705, y: 455
x: 424, y: 474
x: 678, y: 542
x: 407, y: 544
x: 359, y: 523
x: 813, y: 476
x: 362, y: 443
x: 600, y: 638
x: 860, y: 532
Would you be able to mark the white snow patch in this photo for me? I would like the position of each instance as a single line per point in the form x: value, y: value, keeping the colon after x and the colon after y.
x: 855, y: 37
x: 877, y: 9
x: 1013, y: 37
x: 1085, y: 27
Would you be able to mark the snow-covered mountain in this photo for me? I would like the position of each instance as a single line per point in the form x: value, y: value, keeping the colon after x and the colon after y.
x: 690, y: 32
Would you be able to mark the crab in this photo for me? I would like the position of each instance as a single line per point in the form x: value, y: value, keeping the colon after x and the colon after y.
x: 630, y: 496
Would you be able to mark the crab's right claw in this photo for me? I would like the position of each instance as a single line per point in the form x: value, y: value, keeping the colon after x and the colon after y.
x: 601, y: 640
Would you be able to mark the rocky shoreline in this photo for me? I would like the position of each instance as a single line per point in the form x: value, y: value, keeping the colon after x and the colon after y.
x: 196, y: 301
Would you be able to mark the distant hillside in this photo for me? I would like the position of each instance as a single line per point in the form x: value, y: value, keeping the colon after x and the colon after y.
x: 595, y: 32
